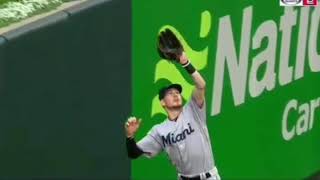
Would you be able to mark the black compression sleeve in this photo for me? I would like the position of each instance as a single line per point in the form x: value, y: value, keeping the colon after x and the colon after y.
x: 133, y: 150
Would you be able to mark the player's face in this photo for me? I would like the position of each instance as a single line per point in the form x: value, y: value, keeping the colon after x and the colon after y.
x: 172, y: 99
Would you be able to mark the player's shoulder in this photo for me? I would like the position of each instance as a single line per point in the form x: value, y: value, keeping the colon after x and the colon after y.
x: 187, y: 105
x: 163, y: 128
x: 156, y: 129
x: 192, y: 104
x: 162, y: 125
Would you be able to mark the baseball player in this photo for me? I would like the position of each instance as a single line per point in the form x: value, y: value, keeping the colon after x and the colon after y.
x: 183, y: 135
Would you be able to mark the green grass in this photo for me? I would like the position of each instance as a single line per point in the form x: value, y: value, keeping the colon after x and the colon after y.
x: 5, y: 1
x: 21, y: 14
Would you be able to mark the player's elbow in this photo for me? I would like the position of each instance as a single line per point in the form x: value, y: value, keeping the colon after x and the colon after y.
x: 204, y: 84
x: 133, y: 155
x: 201, y: 86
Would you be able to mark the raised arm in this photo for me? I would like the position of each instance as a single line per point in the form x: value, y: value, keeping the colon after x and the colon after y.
x: 200, y: 84
x: 170, y: 48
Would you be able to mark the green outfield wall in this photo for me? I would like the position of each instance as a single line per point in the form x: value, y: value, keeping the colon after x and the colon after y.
x: 261, y: 63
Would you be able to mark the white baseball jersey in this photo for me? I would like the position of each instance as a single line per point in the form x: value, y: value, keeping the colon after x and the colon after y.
x: 186, y: 141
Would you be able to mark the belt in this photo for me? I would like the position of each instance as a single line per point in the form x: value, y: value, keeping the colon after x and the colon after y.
x: 195, y: 177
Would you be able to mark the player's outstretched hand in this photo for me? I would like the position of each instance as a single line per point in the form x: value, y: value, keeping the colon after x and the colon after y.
x: 131, y: 126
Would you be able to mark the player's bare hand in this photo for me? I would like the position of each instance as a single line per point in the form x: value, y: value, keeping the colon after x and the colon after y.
x: 131, y: 126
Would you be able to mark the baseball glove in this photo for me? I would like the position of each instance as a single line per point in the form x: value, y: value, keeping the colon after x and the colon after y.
x: 169, y: 47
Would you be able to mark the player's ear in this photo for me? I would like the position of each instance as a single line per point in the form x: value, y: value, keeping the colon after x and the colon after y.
x: 162, y: 103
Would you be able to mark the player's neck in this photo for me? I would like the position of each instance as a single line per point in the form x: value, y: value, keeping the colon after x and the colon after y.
x: 173, y: 114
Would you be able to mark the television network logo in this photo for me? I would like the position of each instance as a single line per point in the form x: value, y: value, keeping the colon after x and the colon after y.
x: 298, y: 2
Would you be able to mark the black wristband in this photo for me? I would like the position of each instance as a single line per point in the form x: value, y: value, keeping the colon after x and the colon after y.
x: 189, y: 67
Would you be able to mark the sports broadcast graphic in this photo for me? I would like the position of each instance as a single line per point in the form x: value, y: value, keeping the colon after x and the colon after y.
x: 159, y: 90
